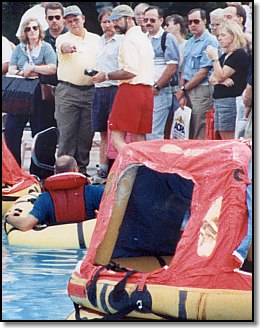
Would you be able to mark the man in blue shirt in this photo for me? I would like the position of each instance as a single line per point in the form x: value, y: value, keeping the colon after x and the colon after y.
x: 166, y: 63
x: 195, y: 90
x: 44, y: 211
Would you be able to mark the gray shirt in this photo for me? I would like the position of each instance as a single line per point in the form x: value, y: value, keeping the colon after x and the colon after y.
x: 107, y: 59
x: 45, y: 56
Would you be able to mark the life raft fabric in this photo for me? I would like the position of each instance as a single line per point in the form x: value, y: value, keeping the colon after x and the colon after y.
x: 13, y: 174
x: 218, y: 220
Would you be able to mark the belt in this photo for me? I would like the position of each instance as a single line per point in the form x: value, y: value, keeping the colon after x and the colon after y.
x: 107, y: 88
x: 81, y: 87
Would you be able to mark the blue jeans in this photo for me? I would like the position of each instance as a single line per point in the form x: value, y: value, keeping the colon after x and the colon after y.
x: 162, y: 106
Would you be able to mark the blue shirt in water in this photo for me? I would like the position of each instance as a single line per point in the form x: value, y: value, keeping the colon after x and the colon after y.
x: 43, y: 208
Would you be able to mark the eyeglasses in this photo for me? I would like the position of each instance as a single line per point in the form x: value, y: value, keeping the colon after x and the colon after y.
x: 51, y: 18
x: 74, y: 20
x: 195, y: 21
x: 214, y: 25
x: 152, y: 20
x: 33, y: 28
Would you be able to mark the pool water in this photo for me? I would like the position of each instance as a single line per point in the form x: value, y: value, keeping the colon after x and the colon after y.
x: 34, y: 282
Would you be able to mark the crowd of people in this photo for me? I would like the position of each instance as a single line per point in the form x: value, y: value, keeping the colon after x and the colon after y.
x: 131, y: 79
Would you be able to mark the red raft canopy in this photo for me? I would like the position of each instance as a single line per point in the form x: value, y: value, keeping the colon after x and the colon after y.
x: 174, y: 212
x: 15, y: 181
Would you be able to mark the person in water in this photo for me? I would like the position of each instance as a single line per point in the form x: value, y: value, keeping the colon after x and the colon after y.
x: 68, y: 197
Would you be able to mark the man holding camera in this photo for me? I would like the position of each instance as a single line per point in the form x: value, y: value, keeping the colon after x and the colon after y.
x: 77, y: 50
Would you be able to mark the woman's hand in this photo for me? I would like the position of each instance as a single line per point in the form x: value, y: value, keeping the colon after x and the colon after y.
x: 228, y: 82
x: 28, y: 69
x: 211, y: 52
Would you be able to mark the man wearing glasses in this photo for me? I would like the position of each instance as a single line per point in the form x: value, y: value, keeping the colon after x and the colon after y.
x: 54, y: 13
x: 166, y: 66
x: 195, y: 90
x: 77, y: 50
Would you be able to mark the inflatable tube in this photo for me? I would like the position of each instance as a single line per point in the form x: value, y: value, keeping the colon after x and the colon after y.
x: 73, y: 235
x: 159, y: 301
x: 85, y: 314
x: 9, y: 197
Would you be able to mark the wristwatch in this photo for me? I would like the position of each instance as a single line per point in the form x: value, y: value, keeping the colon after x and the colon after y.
x: 156, y: 87
x: 183, y: 88
x: 106, y: 77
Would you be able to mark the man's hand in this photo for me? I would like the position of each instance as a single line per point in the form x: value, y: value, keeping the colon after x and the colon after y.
x: 68, y: 48
x: 99, y: 77
x: 183, y: 102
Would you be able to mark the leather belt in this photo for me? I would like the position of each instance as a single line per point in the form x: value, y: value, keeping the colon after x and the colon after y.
x: 81, y: 87
x: 107, y: 88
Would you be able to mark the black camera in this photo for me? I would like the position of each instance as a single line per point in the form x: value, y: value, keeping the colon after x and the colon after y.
x: 90, y: 72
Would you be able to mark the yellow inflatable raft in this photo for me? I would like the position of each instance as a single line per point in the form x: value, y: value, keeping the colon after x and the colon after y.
x: 9, y: 197
x: 72, y: 235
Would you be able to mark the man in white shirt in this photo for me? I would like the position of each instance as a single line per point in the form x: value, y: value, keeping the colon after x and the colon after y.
x: 6, y: 54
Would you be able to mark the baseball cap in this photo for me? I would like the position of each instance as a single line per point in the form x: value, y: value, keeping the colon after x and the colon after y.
x: 120, y: 11
x: 72, y: 10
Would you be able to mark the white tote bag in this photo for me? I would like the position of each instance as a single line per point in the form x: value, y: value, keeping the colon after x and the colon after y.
x: 181, y: 123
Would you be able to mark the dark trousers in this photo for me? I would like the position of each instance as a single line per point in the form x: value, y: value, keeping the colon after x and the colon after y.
x: 42, y: 119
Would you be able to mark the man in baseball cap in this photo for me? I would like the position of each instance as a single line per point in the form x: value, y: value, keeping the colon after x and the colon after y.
x: 72, y: 10
x: 120, y: 11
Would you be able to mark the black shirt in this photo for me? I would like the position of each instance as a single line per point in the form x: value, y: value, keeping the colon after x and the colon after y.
x: 239, y: 61
x: 51, y: 79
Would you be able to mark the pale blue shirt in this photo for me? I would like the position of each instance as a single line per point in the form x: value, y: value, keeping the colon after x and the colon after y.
x: 107, y: 59
x: 171, y: 55
x: 195, y: 58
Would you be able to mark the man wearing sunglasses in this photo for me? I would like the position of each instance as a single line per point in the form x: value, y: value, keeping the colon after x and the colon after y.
x: 166, y: 63
x: 54, y: 13
x: 195, y: 90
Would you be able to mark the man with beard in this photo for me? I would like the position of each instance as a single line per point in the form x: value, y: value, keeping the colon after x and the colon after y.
x: 133, y: 106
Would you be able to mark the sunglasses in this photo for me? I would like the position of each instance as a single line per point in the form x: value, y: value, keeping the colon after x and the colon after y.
x: 195, y: 21
x: 152, y: 20
x: 51, y: 18
x: 214, y: 25
x: 33, y: 28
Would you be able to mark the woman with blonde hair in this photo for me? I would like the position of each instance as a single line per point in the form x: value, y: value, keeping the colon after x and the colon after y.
x: 31, y: 58
x: 229, y: 76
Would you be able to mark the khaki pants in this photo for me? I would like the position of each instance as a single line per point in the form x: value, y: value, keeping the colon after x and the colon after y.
x: 73, y: 114
x: 200, y: 101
